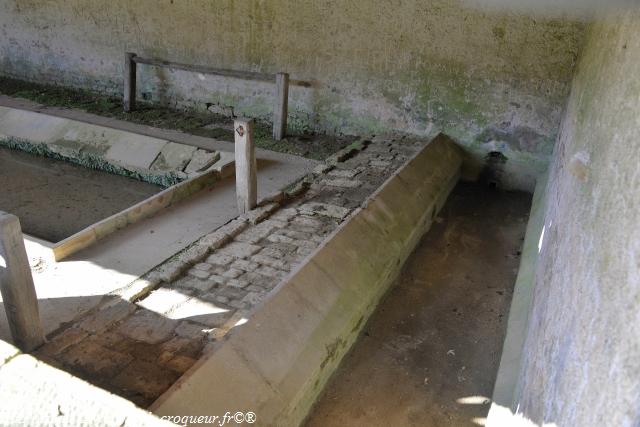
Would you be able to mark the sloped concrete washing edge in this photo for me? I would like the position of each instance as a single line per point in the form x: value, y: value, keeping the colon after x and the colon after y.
x: 278, y: 363
x: 145, y: 158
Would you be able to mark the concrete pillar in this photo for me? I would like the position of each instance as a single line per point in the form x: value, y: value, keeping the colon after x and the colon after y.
x: 246, y: 167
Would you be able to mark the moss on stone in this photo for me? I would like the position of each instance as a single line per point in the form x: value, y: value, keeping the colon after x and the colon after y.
x: 303, y: 141
x: 91, y: 161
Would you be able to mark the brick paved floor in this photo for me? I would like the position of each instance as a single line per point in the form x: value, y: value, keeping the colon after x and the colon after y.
x: 139, y: 349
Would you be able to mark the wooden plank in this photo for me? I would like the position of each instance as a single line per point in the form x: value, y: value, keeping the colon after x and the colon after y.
x: 129, y: 82
x: 280, y: 109
x: 244, y: 75
x: 17, y: 288
x: 301, y: 83
x: 246, y: 167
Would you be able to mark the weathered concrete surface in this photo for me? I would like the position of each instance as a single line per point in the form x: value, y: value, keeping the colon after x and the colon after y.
x: 513, y: 347
x: 582, y: 351
x: 429, y: 354
x: 278, y: 362
x: 63, y: 290
x: 492, y: 79
x: 34, y: 393
x: 144, y: 157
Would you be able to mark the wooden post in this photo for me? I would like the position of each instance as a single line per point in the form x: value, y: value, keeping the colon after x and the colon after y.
x: 17, y: 288
x: 129, y: 82
x: 281, y: 106
x: 246, y: 169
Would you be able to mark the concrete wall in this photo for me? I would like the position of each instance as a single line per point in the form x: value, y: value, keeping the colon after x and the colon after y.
x: 491, y: 79
x: 582, y: 351
x: 506, y: 381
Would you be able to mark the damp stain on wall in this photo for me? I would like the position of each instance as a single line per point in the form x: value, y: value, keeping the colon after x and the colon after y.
x: 417, y: 67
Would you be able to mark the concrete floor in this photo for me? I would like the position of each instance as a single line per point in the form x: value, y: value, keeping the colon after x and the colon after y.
x: 430, y: 353
x: 55, y: 199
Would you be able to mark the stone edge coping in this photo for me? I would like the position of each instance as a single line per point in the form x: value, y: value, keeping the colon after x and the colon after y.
x: 150, y: 159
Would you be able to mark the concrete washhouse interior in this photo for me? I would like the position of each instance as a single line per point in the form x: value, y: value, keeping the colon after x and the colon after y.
x: 320, y: 213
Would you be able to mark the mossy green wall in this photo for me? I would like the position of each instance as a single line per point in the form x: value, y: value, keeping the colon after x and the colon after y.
x: 492, y: 80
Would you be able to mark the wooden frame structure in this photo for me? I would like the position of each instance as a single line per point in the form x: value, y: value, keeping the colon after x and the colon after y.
x: 282, y: 81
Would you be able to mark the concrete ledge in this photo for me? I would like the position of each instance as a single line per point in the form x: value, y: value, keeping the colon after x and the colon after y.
x: 147, y: 158
x: 278, y: 362
x: 34, y: 393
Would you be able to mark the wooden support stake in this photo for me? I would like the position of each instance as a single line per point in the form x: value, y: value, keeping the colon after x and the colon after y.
x: 281, y: 106
x: 17, y: 288
x: 246, y: 168
x: 129, y: 82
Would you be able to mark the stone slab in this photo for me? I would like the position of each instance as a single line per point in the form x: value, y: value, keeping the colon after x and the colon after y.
x: 107, y: 316
x: 135, y: 150
x: 127, y: 149
x: 162, y: 300
x: 30, y: 125
x: 202, y: 312
x: 148, y: 327
x: 173, y: 157
x: 201, y: 161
